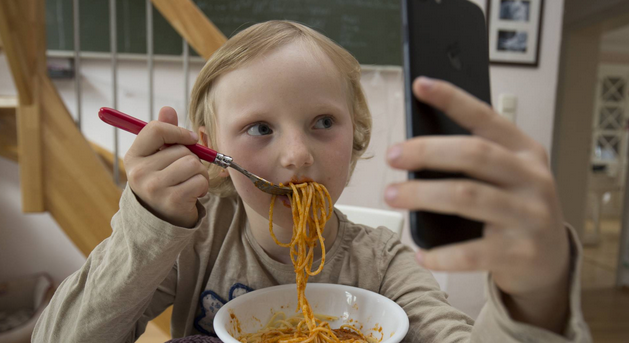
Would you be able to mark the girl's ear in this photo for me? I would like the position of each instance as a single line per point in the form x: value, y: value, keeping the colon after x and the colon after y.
x: 203, y: 138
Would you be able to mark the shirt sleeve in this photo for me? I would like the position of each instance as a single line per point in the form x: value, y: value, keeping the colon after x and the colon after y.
x: 127, y: 280
x: 494, y: 321
x: 433, y: 319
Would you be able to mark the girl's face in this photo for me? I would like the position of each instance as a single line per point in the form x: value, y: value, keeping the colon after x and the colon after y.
x: 284, y: 116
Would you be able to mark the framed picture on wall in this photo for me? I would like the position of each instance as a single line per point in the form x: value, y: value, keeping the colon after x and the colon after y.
x: 514, y: 31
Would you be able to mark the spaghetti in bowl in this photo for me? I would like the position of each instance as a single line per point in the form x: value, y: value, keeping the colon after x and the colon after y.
x: 377, y: 318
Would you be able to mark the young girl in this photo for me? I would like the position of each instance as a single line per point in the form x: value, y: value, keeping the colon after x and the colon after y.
x: 286, y: 103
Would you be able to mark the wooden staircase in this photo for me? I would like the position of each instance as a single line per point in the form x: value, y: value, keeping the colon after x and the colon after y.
x: 60, y: 171
x: 8, y: 127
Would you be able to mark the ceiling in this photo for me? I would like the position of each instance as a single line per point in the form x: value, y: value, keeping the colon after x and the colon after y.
x: 586, y: 12
x: 580, y: 10
x: 617, y: 40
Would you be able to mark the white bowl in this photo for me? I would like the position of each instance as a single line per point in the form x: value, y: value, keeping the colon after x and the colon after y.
x: 379, y: 317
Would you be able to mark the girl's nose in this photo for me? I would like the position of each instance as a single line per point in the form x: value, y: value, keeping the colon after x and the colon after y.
x: 296, y: 153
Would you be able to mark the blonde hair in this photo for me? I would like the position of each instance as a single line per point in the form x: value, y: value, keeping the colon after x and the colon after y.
x: 255, y: 41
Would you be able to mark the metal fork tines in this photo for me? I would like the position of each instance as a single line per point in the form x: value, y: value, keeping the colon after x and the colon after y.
x: 262, y: 184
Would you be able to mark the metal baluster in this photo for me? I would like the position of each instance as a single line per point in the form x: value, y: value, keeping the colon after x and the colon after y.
x: 149, y: 53
x: 186, y: 77
x: 114, y: 78
x: 77, y: 61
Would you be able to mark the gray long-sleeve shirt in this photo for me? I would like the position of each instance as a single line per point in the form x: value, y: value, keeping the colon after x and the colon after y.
x: 148, y: 264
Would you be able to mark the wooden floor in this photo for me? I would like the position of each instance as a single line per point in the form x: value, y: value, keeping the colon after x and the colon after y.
x: 607, y: 313
x: 605, y: 308
x: 153, y: 335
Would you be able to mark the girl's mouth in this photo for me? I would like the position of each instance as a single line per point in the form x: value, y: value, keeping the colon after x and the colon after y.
x: 284, y: 200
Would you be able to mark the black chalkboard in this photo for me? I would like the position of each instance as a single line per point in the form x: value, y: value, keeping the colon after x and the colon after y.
x: 369, y: 29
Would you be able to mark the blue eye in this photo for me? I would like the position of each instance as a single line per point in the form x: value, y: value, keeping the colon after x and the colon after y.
x: 260, y: 129
x: 324, y: 123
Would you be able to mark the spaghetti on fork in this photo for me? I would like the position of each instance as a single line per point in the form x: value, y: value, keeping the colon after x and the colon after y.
x: 311, y: 207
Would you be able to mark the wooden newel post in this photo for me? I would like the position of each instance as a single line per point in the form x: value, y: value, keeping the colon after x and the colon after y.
x: 22, y: 27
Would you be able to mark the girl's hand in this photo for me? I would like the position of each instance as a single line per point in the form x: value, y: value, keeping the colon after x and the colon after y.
x: 167, y: 181
x: 525, y: 244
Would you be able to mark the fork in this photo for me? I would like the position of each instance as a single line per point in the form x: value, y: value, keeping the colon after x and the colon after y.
x: 134, y: 125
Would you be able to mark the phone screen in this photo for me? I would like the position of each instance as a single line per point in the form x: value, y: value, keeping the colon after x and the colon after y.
x: 447, y: 40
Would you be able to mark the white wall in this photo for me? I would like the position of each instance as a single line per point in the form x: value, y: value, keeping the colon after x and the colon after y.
x: 30, y: 243
x: 20, y: 234
x: 534, y: 87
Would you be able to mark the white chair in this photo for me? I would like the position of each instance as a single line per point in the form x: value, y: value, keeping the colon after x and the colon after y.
x: 466, y: 290
x: 373, y: 217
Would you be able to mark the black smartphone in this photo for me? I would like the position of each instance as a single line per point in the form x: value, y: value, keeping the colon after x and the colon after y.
x: 447, y: 40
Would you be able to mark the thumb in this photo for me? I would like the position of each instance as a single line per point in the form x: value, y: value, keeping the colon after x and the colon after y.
x: 168, y: 115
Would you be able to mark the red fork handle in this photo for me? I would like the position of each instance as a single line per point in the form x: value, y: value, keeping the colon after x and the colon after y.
x: 134, y: 125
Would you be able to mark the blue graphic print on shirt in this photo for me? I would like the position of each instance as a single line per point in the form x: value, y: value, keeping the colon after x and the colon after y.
x: 211, y: 302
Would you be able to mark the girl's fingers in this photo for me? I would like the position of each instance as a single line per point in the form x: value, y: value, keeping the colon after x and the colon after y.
x: 478, y: 254
x: 469, y: 199
x: 473, y: 156
x: 182, y: 170
x: 189, y: 190
x: 168, y: 115
x: 156, y: 134
x: 471, y: 113
x: 165, y: 157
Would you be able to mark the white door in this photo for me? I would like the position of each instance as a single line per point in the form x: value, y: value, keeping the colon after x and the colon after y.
x: 608, y: 158
x: 609, y: 144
